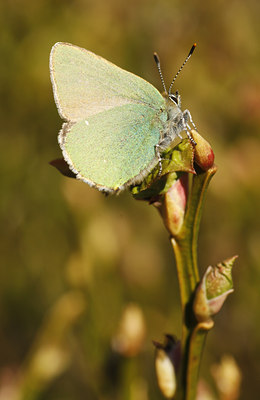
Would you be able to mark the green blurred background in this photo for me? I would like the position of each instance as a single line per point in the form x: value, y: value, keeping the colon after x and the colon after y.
x: 73, y: 260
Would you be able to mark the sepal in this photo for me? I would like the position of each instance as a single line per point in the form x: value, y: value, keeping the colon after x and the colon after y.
x: 213, y: 290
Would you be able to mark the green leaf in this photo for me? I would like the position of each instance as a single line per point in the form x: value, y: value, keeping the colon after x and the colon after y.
x: 174, y: 161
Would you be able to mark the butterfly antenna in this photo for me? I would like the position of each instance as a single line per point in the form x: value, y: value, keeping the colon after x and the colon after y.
x: 157, y: 60
x: 187, y: 58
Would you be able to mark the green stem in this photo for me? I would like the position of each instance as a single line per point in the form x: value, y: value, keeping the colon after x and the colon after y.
x: 185, y: 249
x: 197, y: 341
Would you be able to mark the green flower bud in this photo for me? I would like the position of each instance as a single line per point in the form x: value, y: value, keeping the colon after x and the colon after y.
x: 213, y: 290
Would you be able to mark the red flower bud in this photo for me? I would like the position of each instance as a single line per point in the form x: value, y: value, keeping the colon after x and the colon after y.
x: 173, y: 205
x: 203, y: 153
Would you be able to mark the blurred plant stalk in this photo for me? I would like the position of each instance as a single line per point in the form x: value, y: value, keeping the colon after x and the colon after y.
x: 179, y: 201
x: 51, y: 353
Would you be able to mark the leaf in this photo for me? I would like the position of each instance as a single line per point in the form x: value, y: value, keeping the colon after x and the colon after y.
x: 174, y: 162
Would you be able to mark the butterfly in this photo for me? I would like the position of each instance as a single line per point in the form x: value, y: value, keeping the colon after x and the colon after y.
x: 117, y: 125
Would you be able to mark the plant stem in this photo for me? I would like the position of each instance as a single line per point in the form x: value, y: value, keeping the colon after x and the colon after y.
x: 185, y: 248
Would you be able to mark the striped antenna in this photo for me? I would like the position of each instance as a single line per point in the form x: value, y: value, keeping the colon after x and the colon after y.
x: 157, y: 60
x: 187, y: 58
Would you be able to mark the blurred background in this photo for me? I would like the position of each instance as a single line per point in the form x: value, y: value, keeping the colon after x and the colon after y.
x: 78, y: 268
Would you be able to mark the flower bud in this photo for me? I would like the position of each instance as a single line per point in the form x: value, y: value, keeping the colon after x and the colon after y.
x: 227, y: 376
x: 173, y: 205
x: 203, y: 153
x: 213, y: 290
x: 130, y: 335
x: 167, y: 360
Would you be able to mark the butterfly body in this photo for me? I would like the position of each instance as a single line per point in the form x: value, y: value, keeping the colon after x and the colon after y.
x: 116, y: 124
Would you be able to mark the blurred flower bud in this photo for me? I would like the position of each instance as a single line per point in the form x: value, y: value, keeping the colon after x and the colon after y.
x: 227, y: 376
x: 131, y: 333
x: 203, y: 153
x: 167, y: 361
x: 172, y: 207
x: 204, y: 391
x: 213, y: 290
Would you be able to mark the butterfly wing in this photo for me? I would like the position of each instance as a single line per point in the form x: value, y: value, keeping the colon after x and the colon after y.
x: 113, y: 148
x: 85, y: 84
x: 115, y: 118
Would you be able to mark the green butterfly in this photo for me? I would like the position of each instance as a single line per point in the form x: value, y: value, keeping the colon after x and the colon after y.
x: 116, y: 124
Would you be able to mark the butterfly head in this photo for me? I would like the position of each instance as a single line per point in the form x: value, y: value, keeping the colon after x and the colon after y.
x: 175, y: 98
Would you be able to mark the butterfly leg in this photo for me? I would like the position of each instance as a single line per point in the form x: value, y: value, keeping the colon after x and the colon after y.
x: 179, y: 135
x: 187, y: 130
x: 164, y: 144
x: 187, y: 117
x: 157, y: 149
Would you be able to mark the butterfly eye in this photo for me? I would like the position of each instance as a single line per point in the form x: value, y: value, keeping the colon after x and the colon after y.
x: 173, y: 98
